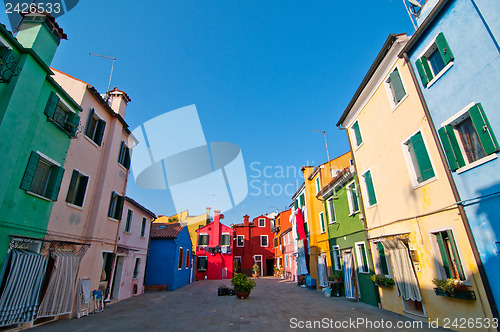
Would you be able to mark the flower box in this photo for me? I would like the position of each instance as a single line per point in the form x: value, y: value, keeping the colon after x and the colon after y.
x: 463, y: 295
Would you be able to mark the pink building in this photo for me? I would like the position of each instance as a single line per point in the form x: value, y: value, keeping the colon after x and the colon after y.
x: 289, y: 264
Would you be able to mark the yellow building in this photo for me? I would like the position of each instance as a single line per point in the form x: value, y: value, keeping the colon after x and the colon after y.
x: 413, y: 223
x: 315, y: 178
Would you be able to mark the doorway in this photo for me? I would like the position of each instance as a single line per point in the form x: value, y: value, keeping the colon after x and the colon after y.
x: 258, y: 260
x: 117, y: 278
x: 269, y: 267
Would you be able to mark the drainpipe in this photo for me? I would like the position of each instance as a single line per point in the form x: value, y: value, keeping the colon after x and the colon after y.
x: 456, y: 194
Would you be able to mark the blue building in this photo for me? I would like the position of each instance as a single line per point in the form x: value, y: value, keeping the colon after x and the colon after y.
x: 455, y: 55
x: 170, y: 260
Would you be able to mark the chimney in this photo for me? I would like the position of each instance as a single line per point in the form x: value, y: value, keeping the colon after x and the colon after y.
x: 217, y: 227
x: 41, y: 33
x: 118, y: 101
x: 245, y: 220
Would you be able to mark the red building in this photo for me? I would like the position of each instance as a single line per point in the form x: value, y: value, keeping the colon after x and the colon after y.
x: 253, y: 245
x: 214, y: 250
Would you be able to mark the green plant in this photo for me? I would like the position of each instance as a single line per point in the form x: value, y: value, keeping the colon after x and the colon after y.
x: 449, y: 285
x: 382, y: 280
x: 241, y: 283
x: 256, y: 269
x: 330, y: 278
x: 338, y: 275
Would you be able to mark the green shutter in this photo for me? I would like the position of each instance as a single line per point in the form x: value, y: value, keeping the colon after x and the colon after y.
x: 29, y: 173
x: 100, y: 131
x: 89, y: 122
x: 372, y: 199
x: 70, y: 196
x: 126, y: 159
x: 120, y: 157
x: 119, y: 206
x: 456, y: 257
x: 397, y: 86
x: 424, y: 70
x: 423, y: 160
x: 363, y: 257
x: 483, y: 129
x: 451, y: 147
x: 444, y: 256
x: 51, y: 106
x: 296, y: 203
x: 444, y: 48
x: 357, y: 133
x: 322, y: 221
x: 111, y: 205
x: 54, y: 184
x: 383, y: 259
x: 302, y: 200
x: 72, y: 122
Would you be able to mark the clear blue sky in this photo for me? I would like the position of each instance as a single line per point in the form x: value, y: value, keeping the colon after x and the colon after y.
x: 261, y: 73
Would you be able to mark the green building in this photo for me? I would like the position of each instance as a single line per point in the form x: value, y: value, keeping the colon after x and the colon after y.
x: 349, y: 248
x: 37, y: 121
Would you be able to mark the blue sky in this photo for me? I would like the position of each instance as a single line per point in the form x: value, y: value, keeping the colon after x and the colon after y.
x: 262, y: 74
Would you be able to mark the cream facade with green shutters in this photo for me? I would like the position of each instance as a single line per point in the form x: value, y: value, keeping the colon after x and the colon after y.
x: 415, y: 231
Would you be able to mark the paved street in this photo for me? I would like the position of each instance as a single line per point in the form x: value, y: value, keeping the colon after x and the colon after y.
x: 196, y: 307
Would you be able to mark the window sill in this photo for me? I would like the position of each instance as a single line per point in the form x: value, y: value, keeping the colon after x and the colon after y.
x: 92, y: 142
x: 358, y: 146
x: 113, y: 219
x: 142, y: 237
x: 127, y: 233
x: 370, y: 206
x: 419, y: 185
x: 124, y: 168
x: 400, y: 102
x: 39, y: 196
x: 479, y: 162
x: 352, y: 214
x: 364, y: 272
x: 441, y: 73
x: 74, y: 206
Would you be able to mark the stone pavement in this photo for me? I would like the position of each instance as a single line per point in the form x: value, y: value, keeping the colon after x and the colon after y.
x: 274, y: 305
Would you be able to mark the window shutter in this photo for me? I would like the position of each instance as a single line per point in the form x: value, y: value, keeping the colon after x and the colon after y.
x: 296, y: 204
x: 424, y: 69
x: 70, y: 196
x: 363, y: 257
x: 120, y: 157
x: 82, y: 188
x: 456, y: 257
x: 383, y: 259
x: 423, y: 160
x: 89, y: 122
x: 72, y: 122
x: 112, y: 205
x: 357, y: 133
x: 444, y: 48
x: 444, y: 256
x: 119, y: 206
x: 451, y: 147
x: 100, y: 132
x: 483, y: 129
x: 54, y: 184
x: 397, y: 86
x: 372, y: 199
x: 50, y: 108
x: 302, y: 200
x: 126, y: 159
x: 29, y: 173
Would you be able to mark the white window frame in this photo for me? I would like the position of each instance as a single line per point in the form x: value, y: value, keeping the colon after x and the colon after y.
x: 354, y: 140
x: 317, y: 181
x: 377, y: 260
x: 226, y: 233
x: 264, y: 220
x: 337, y: 255
x: 365, y: 189
x: 437, y: 253
x: 267, y: 240
x: 388, y: 89
x: 197, y: 263
x: 426, y: 53
x: 322, y: 223
x: 349, y: 198
x: 84, y: 195
x: 409, y: 163
x: 238, y: 237
x: 330, y: 214
x: 359, y: 258
x: 179, y: 259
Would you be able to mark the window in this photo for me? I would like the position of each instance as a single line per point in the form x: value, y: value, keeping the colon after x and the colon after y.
x: 275, y: 242
x: 181, y: 258
x: 107, y: 263
x: 302, y: 200
x: 382, y: 267
x: 237, y: 263
x: 468, y: 137
x: 129, y: 220
x: 136, y: 268
x: 42, y: 176
x: 95, y: 127
x: 202, y: 263
x: 225, y: 239
x: 419, y: 160
x: 322, y: 222
x: 263, y: 241
x: 77, y: 188
x: 352, y: 198
x: 262, y: 222
x: 450, y: 260
x: 203, y: 240
x: 436, y: 59
x: 240, y: 240
x: 361, y: 257
x: 124, y: 157
x: 357, y: 134
x: 395, y: 88
x: 60, y: 114
x: 143, y: 227
x: 370, y: 190
x: 286, y: 260
x: 318, y: 187
x: 336, y: 258
x: 115, y: 206
x: 331, y: 211
x: 188, y: 258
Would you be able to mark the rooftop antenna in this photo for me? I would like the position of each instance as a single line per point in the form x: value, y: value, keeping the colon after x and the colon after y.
x: 326, y: 145
x: 110, y: 75
x: 414, y: 4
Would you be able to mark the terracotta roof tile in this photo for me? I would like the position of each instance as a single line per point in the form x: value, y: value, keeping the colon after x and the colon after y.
x: 165, y: 231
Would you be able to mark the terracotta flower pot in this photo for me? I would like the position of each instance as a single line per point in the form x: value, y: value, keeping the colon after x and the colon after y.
x: 255, y: 276
x: 242, y: 294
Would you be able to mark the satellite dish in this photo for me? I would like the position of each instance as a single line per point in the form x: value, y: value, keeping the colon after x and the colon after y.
x: 415, y: 3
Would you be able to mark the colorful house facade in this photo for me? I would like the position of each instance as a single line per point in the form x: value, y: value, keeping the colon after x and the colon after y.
x: 455, y: 57
x: 214, y: 250
x: 282, y: 223
x: 415, y: 229
x: 252, y: 245
x: 170, y: 259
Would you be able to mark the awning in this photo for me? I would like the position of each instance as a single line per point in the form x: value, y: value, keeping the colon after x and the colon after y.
x: 23, y: 272
x: 58, y: 299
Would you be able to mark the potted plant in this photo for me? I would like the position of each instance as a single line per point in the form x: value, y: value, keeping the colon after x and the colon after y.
x: 276, y: 271
x: 256, y: 271
x: 242, y: 285
x: 453, y: 288
x: 382, y: 281
x: 337, y: 276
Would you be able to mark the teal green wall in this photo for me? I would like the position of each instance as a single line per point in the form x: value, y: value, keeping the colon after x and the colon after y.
x: 345, y: 232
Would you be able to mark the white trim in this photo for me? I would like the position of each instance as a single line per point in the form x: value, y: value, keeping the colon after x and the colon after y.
x: 445, y: 68
x: 237, y: 236
x: 267, y: 240
x: 365, y: 188
x: 388, y: 90
x: 458, y: 114
x: 198, y: 239
x: 349, y: 198
x: 50, y: 160
x: 259, y: 220
x: 330, y: 214
x: 441, y: 73
x: 197, y: 263
x: 226, y: 245
x: 359, y: 258
x: 65, y: 103
x: 74, y: 206
x: 322, y: 226
x: 91, y: 141
x: 476, y: 163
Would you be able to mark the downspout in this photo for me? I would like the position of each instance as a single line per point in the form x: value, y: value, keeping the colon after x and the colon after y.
x: 456, y: 194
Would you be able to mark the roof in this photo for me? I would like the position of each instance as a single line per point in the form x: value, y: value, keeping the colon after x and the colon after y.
x: 51, y: 22
x: 165, y: 231
x: 343, y: 175
x: 140, y: 207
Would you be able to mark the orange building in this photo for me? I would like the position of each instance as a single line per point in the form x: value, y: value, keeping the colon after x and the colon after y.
x: 282, y: 223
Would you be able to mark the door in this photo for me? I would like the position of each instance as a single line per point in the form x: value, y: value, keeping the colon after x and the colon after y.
x: 269, y: 267
x: 258, y: 261
x: 117, y: 278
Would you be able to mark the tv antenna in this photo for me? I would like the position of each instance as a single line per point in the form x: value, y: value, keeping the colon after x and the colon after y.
x: 413, y: 10
x: 110, y: 75
x: 326, y: 145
